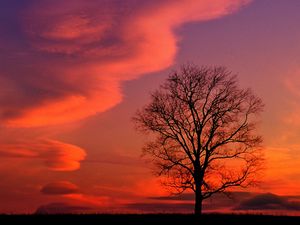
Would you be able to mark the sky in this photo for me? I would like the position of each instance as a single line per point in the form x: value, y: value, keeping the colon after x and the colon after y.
x: 73, y: 73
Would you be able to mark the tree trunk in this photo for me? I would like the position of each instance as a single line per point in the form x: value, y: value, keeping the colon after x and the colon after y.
x: 198, y: 201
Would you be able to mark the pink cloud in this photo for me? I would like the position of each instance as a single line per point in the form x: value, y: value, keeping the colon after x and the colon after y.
x: 83, y: 50
x: 55, y: 155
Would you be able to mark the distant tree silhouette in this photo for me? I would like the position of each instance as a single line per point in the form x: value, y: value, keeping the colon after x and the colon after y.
x: 204, y: 129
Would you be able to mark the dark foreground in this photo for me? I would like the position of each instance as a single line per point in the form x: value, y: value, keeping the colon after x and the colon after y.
x: 153, y: 219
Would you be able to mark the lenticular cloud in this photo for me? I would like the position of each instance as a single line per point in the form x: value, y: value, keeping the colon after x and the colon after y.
x: 76, y: 54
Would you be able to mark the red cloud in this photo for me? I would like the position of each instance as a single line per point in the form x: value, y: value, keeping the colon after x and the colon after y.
x: 60, y: 188
x: 57, y: 156
x: 83, y: 50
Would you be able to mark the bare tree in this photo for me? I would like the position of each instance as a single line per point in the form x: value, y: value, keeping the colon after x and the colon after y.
x: 204, y: 127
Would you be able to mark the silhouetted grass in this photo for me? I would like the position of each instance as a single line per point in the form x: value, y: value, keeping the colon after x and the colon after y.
x: 153, y: 219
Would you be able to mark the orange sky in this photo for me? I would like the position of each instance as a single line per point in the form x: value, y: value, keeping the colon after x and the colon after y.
x: 73, y: 73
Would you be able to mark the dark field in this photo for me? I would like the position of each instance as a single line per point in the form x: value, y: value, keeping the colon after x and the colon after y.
x: 153, y: 219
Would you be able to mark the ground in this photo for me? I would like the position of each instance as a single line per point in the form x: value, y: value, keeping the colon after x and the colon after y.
x: 153, y: 219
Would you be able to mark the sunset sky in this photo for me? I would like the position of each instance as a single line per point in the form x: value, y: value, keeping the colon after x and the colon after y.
x: 73, y: 73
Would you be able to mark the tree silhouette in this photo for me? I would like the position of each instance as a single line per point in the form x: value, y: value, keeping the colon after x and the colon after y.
x: 204, y: 129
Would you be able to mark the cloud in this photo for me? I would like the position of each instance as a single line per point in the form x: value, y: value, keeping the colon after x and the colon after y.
x: 268, y: 201
x: 71, y: 193
x: 60, y: 188
x: 218, y: 202
x: 76, y: 54
x: 55, y: 155
x: 99, y: 201
x: 238, y: 201
x: 61, y: 208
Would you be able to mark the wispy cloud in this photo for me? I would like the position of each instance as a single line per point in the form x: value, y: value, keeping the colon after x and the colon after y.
x: 79, y: 52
